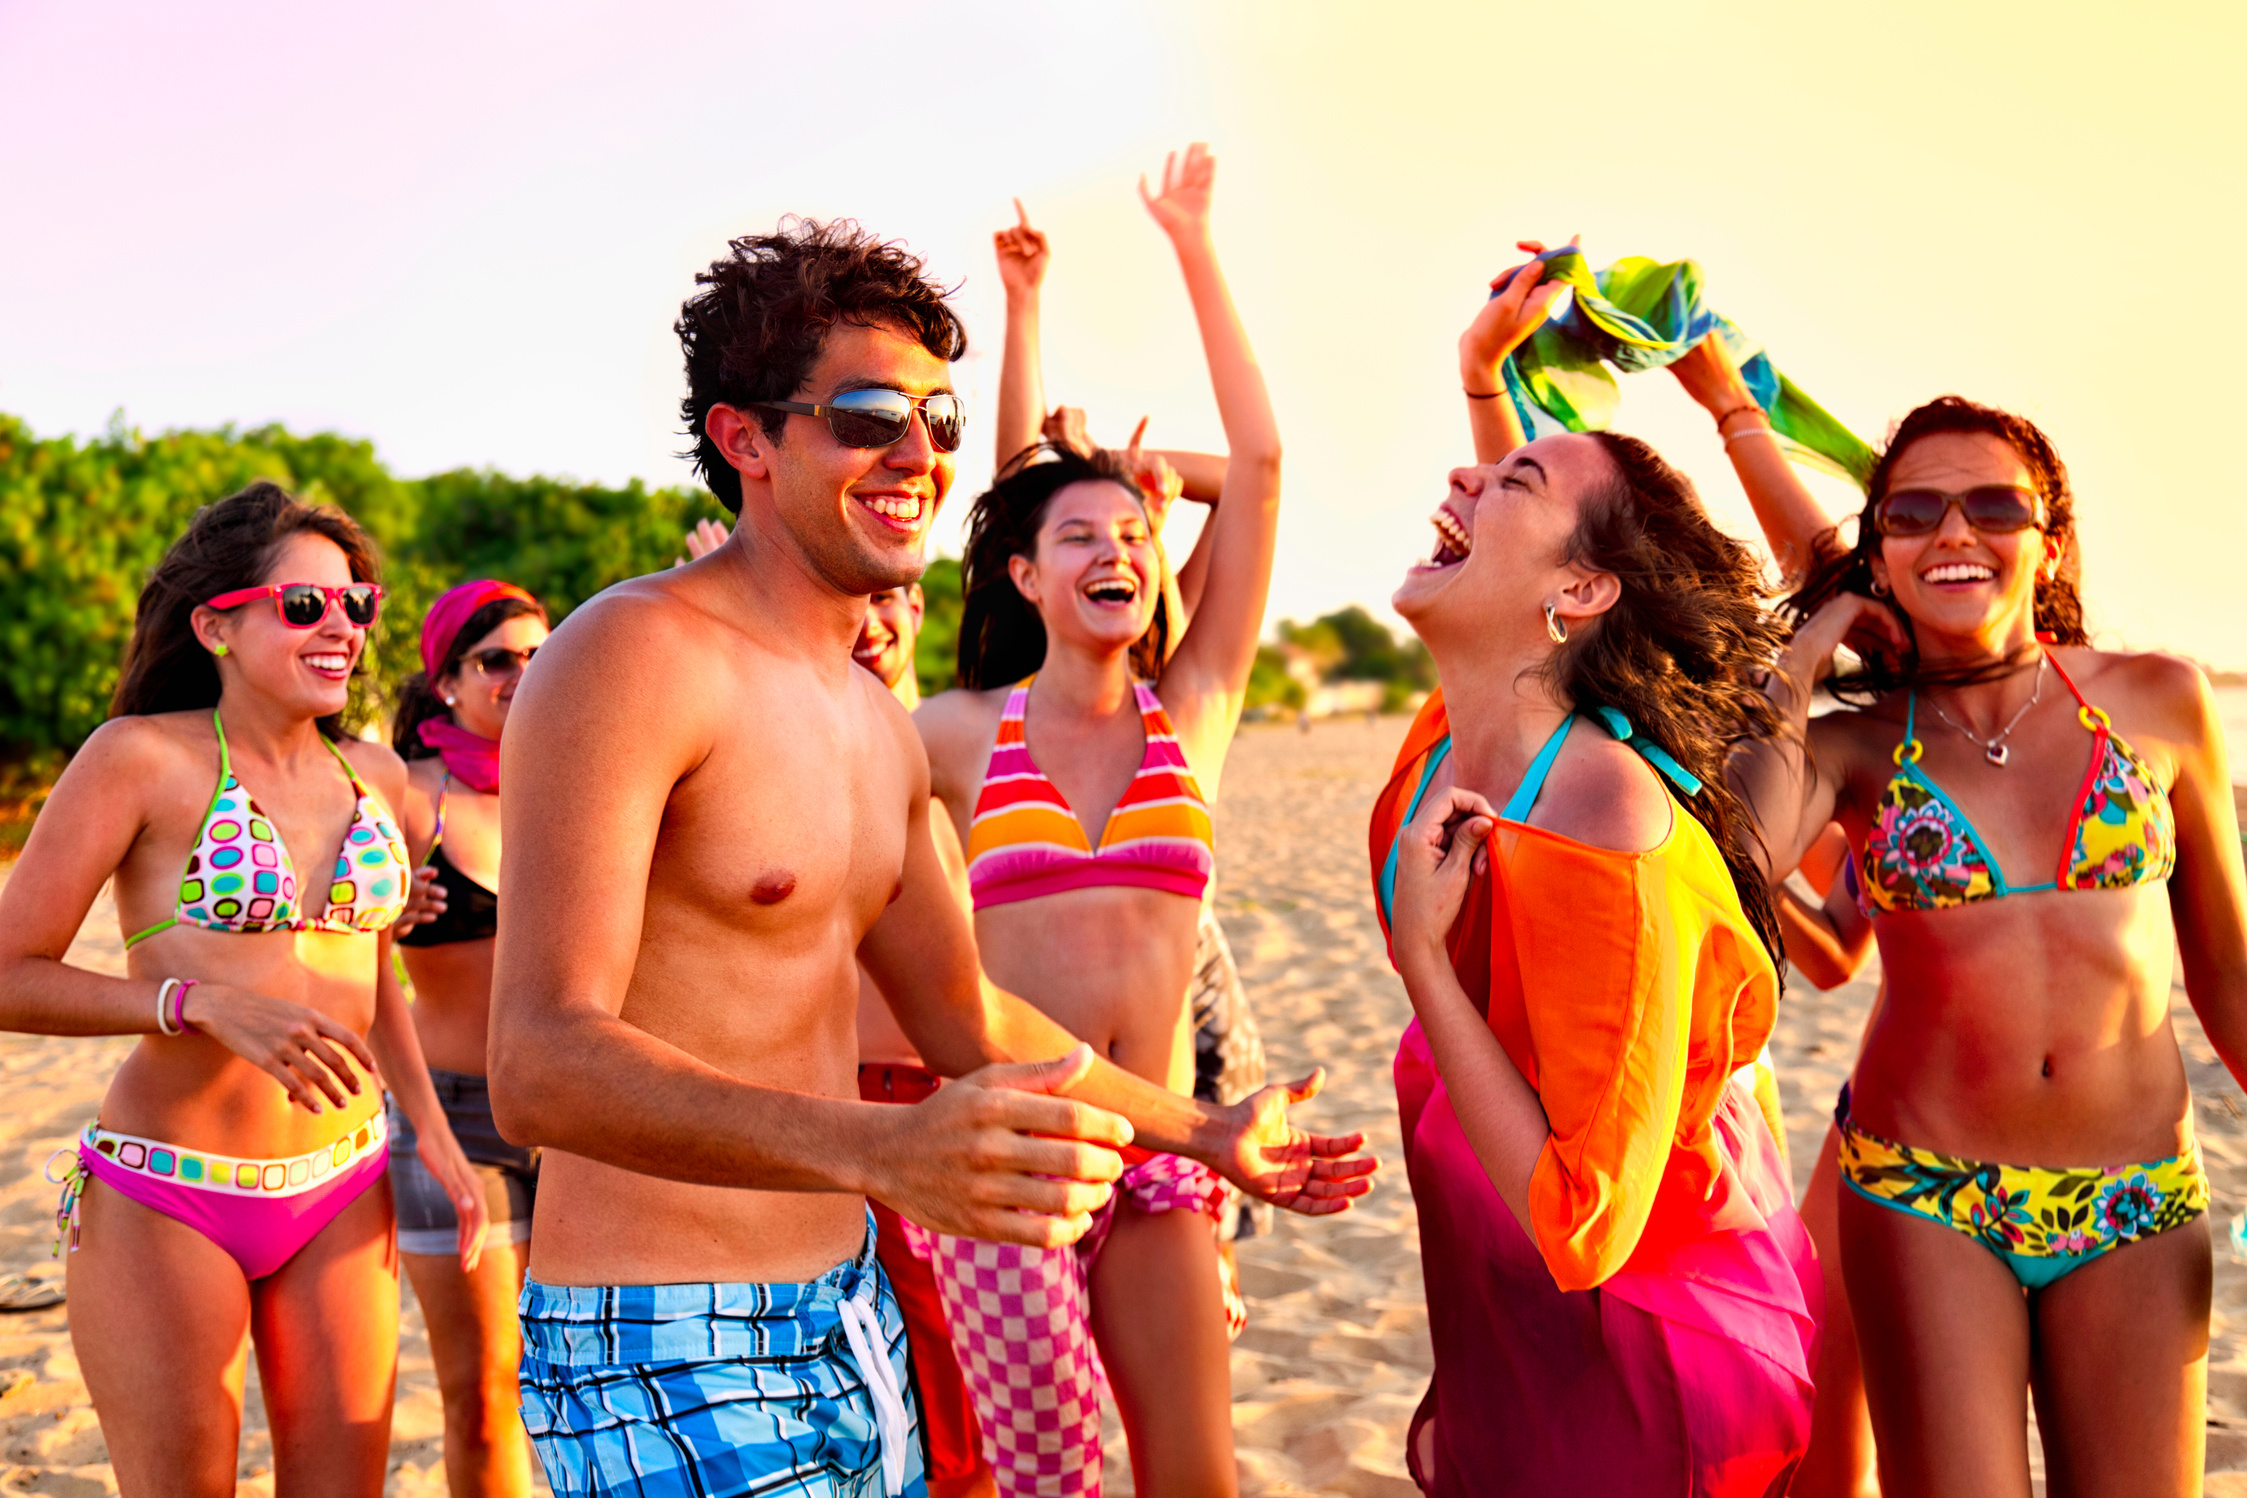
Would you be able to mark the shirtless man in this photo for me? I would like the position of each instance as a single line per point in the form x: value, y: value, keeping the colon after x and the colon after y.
x: 891, y: 1071
x: 720, y: 813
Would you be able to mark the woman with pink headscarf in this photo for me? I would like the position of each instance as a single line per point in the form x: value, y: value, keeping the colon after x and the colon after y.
x: 475, y: 643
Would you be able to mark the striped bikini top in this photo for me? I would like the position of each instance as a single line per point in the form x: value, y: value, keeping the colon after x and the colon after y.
x: 1025, y: 841
x: 240, y: 878
x: 1922, y: 852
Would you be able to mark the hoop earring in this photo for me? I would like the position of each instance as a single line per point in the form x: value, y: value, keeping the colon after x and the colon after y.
x: 1879, y: 588
x: 1555, y: 626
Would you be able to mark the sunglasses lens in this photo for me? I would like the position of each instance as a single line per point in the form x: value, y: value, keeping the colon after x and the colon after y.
x: 947, y: 422
x: 499, y: 662
x: 361, y: 602
x: 303, y: 605
x: 2000, y: 508
x: 1911, y: 512
x: 869, y: 418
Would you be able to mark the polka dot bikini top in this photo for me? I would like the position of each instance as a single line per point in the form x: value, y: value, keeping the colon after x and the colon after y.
x: 240, y: 876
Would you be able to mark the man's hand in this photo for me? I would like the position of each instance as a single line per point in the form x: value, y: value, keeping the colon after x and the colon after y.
x: 1272, y: 1160
x: 998, y: 1155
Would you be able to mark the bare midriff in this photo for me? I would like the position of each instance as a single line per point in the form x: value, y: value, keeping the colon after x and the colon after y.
x: 192, y: 1091
x: 2028, y: 1030
x: 452, y: 1002
x: 1110, y: 965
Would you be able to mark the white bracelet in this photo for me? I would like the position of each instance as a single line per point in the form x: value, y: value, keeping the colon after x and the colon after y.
x: 164, y: 1005
x: 1749, y: 432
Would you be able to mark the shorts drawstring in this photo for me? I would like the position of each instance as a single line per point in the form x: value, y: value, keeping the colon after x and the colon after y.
x: 862, y: 1327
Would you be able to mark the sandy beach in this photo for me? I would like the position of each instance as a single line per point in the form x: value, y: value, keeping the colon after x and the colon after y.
x: 1336, y: 1352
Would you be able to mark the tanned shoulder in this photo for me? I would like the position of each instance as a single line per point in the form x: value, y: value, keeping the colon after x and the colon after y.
x: 1605, y: 795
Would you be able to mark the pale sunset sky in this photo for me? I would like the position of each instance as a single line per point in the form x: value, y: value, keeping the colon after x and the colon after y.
x: 463, y: 229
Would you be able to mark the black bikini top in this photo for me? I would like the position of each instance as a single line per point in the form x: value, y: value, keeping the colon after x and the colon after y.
x: 471, y: 911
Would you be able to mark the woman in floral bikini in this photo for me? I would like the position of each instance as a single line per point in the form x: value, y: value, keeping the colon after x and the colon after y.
x: 2040, y: 830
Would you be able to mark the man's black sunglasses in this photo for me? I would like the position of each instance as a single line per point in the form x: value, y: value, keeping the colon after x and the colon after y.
x: 877, y: 418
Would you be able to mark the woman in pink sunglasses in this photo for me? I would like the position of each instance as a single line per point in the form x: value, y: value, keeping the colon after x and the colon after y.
x: 233, y: 1192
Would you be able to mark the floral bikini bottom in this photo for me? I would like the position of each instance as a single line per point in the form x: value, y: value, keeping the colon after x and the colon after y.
x: 2041, y: 1222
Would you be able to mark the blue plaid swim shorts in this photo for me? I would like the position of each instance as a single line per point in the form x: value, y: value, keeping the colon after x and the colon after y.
x: 708, y: 1391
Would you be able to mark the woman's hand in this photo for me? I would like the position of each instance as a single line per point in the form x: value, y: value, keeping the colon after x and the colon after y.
x: 1437, y: 855
x: 706, y: 537
x: 1712, y: 379
x: 1159, y: 483
x: 300, y: 1048
x: 1865, y: 625
x: 1065, y: 428
x: 425, y: 901
x: 1023, y: 254
x: 1506, y: 320
x: 1182, y: 207
x: 442, y: 1156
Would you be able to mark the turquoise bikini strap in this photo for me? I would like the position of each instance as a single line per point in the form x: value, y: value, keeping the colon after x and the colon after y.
x: 1436, y: 757
x: 1525, y: 794
x: 1654, y: 754
x: 1911, y: 716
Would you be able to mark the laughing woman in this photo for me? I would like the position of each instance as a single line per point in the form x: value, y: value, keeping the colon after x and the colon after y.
x: 2041, y: 831
x: 232, y: 1194
x: 1078, y: 764
x: 1621, y: 1295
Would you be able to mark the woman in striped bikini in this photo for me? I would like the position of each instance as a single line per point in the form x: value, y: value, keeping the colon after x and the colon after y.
x: 1079, y: 767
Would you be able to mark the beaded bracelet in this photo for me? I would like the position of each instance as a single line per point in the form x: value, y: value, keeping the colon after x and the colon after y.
x: 1482, y: 395
x: 1726, y: 415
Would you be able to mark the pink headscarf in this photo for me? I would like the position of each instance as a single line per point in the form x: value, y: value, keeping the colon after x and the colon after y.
x: 472, y: 758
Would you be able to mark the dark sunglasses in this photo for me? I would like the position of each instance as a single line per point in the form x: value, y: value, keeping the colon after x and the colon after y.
x: 499, y: 661
x: 304, y: 605
x: 877, y: 418
x: 1997, y: 508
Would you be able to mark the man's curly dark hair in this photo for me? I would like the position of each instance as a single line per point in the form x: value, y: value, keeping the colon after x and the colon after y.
x: 754, y: 329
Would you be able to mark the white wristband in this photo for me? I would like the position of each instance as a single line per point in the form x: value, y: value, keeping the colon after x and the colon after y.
x: 1749, y: 432
x: 164, y: 1005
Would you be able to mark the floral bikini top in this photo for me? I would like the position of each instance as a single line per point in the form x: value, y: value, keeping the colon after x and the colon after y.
x: 1922, y: 852
x: 240, y: 877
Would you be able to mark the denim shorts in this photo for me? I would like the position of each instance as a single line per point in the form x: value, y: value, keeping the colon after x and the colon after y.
x: 427, y: 1223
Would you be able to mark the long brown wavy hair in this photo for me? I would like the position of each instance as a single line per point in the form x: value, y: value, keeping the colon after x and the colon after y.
x: 1679, y: 652
x: 228, y: 545
x: 1839, y: 569
x: 1002, y: 637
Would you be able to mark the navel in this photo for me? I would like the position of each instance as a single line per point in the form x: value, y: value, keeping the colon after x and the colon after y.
x: 772, y: 888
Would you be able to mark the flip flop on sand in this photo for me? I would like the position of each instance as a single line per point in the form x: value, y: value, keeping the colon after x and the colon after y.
x: 20, y: 1292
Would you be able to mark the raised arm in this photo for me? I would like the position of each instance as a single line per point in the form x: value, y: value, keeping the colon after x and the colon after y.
x: 1791, y: 518
x: 1790, y: 792
x: 1520, y: 298
x: 1212, y: 664
x: 1023, y: 255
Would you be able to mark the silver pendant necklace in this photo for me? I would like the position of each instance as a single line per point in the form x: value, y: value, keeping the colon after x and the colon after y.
x: 1996, y: 750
